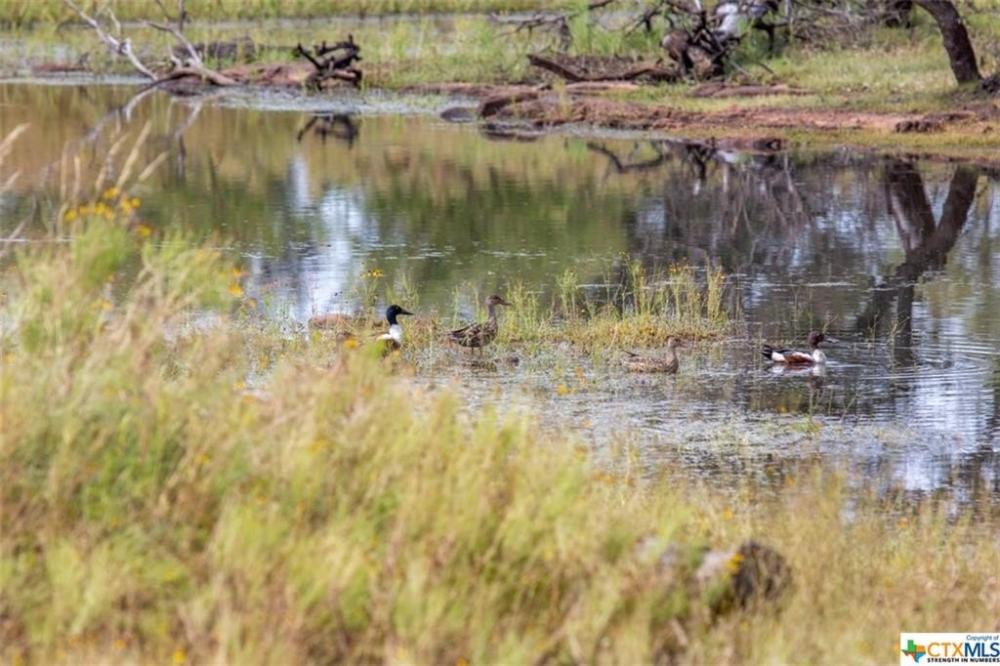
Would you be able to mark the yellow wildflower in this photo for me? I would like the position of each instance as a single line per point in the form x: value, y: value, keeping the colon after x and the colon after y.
x: 111, y: 193
x: 235, y: 290
x: 143, y: 230
x: 70, y: 215
x: 562, y: 389
x: 180, y: 656
x: 135, y: 202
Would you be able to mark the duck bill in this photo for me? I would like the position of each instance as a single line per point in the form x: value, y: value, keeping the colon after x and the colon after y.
x: 404, y: 312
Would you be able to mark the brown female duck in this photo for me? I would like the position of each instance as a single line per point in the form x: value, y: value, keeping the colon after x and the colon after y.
x: 666, y: 364
x: 477, y: 336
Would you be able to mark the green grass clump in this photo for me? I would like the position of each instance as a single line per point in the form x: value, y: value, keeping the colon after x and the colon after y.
x: 641, y: 307
x: 645, y: 308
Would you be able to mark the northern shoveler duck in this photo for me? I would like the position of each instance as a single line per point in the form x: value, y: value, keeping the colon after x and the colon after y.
x: 667, y: 364
x: 394, y: 338
x: 792, y: 357
x: 477, y: 336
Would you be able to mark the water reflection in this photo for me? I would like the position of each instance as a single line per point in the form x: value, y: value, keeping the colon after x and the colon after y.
x: 339, y: 126
x: 896, y: 258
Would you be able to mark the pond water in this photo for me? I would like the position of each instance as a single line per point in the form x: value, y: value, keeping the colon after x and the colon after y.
x: 899, y: 259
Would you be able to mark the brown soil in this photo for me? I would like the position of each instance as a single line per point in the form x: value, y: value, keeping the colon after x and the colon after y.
x: 587, y: 103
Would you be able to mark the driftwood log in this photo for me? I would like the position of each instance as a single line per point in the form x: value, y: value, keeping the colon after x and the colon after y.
x: 189, y: 64
x: 333, y: 61
x: 577, y: 70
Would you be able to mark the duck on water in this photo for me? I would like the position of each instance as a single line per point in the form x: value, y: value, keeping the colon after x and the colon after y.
x: 666, y: 364
x: 815, y: 355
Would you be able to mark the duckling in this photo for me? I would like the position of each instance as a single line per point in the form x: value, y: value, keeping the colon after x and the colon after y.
x: 477, y: 336
x: 791, y: 357
x: 394, y: 338
x: 667, y: 364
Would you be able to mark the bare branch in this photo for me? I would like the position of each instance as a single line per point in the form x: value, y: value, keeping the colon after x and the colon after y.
x: 179, y: 36
x: 122, y: 47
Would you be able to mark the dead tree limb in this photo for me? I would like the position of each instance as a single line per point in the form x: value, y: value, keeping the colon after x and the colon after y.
x: 193, y: 67
x: 121, y: 46
x: 333, y: 61
x: 573, y: 75
x: 179, y: 36
x: 554, y: 67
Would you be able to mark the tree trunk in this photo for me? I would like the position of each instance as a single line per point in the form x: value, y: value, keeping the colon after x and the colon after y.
x: 956, y: 39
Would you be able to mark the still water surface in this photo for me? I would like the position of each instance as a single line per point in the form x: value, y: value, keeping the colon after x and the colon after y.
x: 897, y: 258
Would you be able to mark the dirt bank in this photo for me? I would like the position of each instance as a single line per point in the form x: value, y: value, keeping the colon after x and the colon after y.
x: 967, y: 133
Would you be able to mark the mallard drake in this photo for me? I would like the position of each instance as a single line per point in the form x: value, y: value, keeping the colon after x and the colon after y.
x: 792, y: 357
x: 477, y: 336
x: 667, y: 364
x: 393, y: 339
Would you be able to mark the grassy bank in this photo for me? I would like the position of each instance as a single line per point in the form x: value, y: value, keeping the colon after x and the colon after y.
x: 23, y: 12
x: 853, y: 93
x: 156, y: 508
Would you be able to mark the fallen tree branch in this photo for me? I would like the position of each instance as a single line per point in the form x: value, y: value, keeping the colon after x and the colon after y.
x: 179, y: 36
x: 334, y: 61
x: 554, y: 67
x: 121, y: 46
x: 574, y: 75
x: 194, y: 67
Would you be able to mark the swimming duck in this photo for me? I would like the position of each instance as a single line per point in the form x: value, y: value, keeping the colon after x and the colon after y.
x: 667, y: 364
x: 477, y: 336
x: 791, y: 357
x: 394, y: 338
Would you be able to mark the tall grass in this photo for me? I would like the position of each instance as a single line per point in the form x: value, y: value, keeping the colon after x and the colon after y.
x: 642, y: 306
x: 152, y: 507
